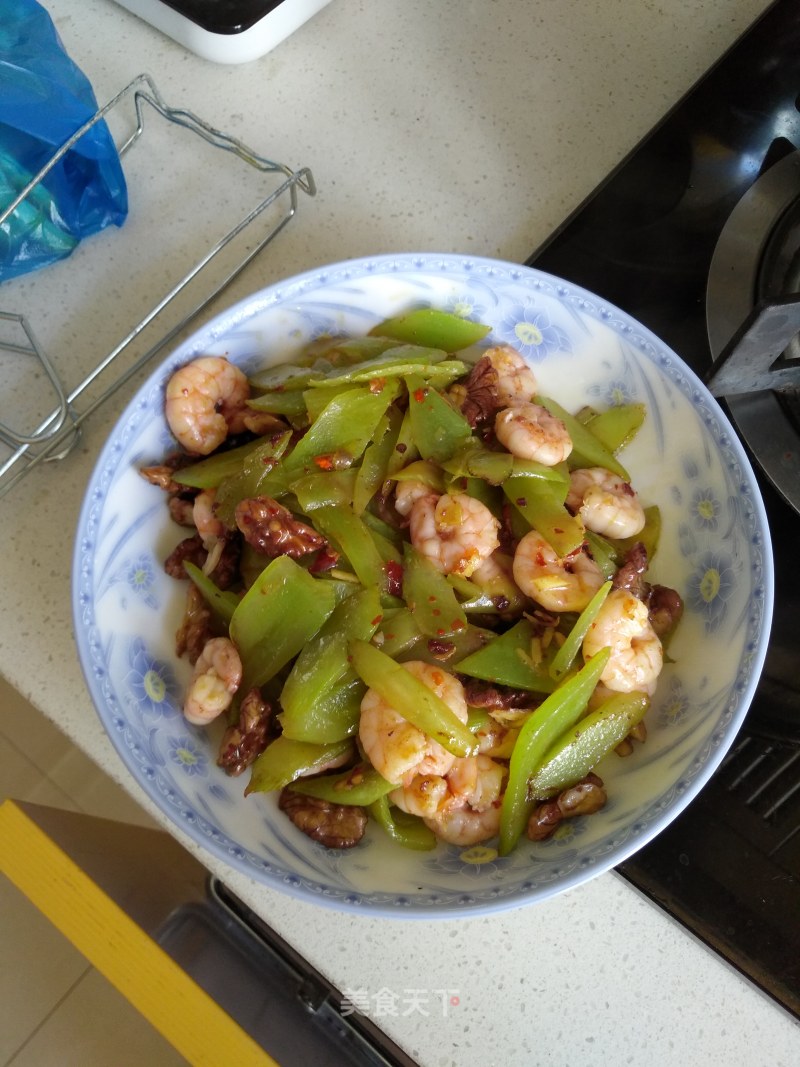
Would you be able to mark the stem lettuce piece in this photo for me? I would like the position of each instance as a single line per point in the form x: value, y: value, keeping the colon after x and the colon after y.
x: 505, y: 660
x: 254, y: 477
x: 430, y: 597
x: 362, y: 785
x: 322, y: 690
x: 565, y: 656
x: 355, y: 539
x: 283, y: 760
x: 541, y: 504
x: 281, y: 611
x: 438, y: 429
x: 208, y: 473
x: 223, y: 602
x: 406, y: 830
x: 346, y: 424
x: 374, y: 469
x: 559, y: 712
x: 395, y: 362
x: 582, y: 747
x: 617, y: 426
x: 587, y: 450
x: 428, y: 326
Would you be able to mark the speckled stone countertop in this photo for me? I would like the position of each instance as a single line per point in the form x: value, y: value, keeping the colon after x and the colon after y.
x: 452, y: 126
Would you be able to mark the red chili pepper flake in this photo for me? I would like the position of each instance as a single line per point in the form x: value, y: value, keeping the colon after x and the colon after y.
x: 439, y: 648
x: 324, y: 463
x: 377, y: 620
x: 420, y: 394
x: 394, y: 578
x: 432, y: 599
x: 457, y: 624
x: 376, y: 385
x: 326, y: 559
x: 401, y: 448
x: 521, y: 501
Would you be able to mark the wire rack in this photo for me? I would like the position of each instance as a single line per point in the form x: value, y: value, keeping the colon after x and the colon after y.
x: 55, y: 435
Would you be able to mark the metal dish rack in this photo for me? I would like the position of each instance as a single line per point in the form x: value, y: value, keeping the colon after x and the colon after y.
x: 57, y: 433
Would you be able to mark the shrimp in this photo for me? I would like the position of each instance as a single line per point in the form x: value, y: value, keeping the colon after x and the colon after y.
x: 206, y: 399
x: 408, y: 493
x: 217, y: 676
x: 395, y: 747
x: 476, y: 783
x: 462, y: 806
x: 205, y: 519
x: 210, y: 528
x: 516, y: 382
x: 531, y: 432
x: 606, y: 503
x: 455, y: 532
x: 623, y: 624
x: 556, y: 584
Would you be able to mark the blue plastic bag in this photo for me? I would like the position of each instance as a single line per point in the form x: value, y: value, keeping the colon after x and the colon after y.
x: 44, y: 99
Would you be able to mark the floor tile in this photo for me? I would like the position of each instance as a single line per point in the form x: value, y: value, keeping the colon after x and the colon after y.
x: 22, y: 780
x: 29, y: 730
x: 95, y: 1026
x: 93, y: 791
x: 38, y: 968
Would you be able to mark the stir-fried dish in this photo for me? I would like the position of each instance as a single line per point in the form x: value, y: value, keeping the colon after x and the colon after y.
x: 417, y: 589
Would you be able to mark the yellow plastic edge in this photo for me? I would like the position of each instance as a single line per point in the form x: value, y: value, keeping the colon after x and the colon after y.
x: 182, y: 1012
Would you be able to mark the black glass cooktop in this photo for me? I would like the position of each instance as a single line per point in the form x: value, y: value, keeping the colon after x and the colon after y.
x: 729, y: 866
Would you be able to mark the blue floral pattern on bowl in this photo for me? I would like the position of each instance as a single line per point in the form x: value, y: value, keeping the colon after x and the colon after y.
x: 714, y: 548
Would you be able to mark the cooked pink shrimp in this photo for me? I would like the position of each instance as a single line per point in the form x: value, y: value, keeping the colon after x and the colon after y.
x: 516, y: 382
x: 397, y: 749
x: 607, y: 504
x: 205, y: 519
x: 217, y: 676
x: 462, y: 806
x: 210, y: 528
x: 206, y: 400
x: 455, y: 532
x: 476, y: 783
x: 407, y: 493
x: 531, y: 432
x: 623, y: 625
x: 557, y: 584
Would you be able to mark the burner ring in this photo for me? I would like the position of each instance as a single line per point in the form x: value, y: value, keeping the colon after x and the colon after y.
x: 732, y: 292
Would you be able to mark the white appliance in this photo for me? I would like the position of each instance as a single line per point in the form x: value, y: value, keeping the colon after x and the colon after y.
x: 226, y: 31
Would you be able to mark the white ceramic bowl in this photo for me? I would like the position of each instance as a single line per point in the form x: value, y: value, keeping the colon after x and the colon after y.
x: 714, y: 549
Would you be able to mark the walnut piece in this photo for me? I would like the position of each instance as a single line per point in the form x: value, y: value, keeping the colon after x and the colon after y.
x: 190, y: 548
x: 583, y: 798
x: 665, y: 607
x: 631, y: 573
x: 247, y: 738
x: 481, y: 402
x: 481, y: 694
x: 333, y: 825
x: 272, y: 529
x: 196, y: 626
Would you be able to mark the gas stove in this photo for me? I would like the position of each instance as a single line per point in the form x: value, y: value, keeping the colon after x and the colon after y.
x: 687, y: 237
